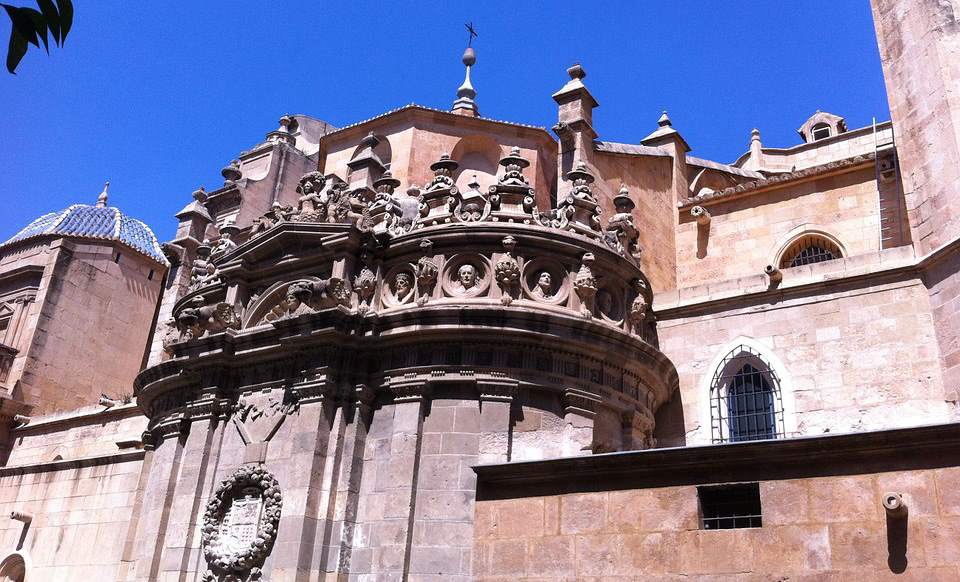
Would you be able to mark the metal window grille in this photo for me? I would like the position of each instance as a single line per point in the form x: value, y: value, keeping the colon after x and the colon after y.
x: 809, y: 250
x: 730, y: 506
x: 745, y: 403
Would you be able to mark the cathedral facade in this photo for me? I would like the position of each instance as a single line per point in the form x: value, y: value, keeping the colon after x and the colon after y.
x: 436, y: 346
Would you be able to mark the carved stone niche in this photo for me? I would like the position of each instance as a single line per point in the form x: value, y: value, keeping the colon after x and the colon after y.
x: 399, y: 286
x: 546, y: 281
x: 609, y: 304
x: 240, y: 524
x: 466, y: 275
x: 289, y: 299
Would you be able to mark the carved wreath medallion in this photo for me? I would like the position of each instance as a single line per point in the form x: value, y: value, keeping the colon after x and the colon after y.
x: 240, y: 522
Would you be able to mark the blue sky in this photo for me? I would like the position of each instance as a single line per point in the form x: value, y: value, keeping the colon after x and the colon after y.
x: 158, y: 96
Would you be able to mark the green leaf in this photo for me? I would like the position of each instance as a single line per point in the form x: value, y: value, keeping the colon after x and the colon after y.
x: 15, y: 51
x: 66, y: 18
x: 22, y: 23
x: 52, y: 16
x: 39, y: 25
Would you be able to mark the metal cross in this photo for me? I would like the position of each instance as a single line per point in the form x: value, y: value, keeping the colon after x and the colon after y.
x: 472, y: 31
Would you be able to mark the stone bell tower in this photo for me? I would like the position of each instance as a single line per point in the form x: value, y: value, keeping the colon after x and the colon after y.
x: 920, y: 52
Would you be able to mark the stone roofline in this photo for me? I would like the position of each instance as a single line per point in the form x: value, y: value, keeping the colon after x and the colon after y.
x: 851, y: 134
x: 778, y: 180
x: 361, y: 127
x: 931, y: 446
x: 47, y: 237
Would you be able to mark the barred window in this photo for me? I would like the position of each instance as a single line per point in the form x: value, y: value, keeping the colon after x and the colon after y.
x: 808, y: 250
x: 745, y: 402
x: 730, y: 506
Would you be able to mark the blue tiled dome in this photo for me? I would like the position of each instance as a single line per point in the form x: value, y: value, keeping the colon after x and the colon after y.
x: 97, y: 222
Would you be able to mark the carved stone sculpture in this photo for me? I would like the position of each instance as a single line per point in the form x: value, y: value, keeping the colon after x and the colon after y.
x: 297, y: 300
x: 240, y: 523
x: 199, y: 319
x: 585, y: 284
x: 402, y: 287
x: 278, y: 213
x: 171, y: 335
x: 639, y: 306
x: 403, y: 212
x: 466, y: 279
x: 544, y: 286
x: 440, y: 195
x: 202, y: 270
x: 338, y: 204
x: 313, y: 201
x: 470, y: 206
x: 426, y: 272
x: 622, y: 233
x: 507, y: 272
x: 225, y: 243
x: 443, y: 170
x: 365, y: 284
x: 512, y: 198
x: 578, y: 210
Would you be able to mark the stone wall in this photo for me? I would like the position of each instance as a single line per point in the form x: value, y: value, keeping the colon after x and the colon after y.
x: 637, y: 515
x: 826, y: 528
x: 81, y: 512
x: 745, y: 233
x: 857, y: 355
x: 648, y: 180
x: 92, y: 325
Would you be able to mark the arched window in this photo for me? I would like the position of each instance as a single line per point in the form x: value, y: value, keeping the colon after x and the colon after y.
x: 13, y: 569
x: 820, y: 131
x: 808, y: 250
x: 745, y: 399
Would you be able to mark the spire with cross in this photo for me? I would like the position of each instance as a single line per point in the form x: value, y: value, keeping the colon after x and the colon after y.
x: 466, y: 95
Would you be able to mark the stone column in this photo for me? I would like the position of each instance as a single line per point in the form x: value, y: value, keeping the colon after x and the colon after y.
x: 388, y: 492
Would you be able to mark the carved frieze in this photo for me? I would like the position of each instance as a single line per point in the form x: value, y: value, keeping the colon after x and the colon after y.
x: 240, y: 524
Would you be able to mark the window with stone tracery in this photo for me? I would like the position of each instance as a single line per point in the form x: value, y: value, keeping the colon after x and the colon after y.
x: 745, y: 399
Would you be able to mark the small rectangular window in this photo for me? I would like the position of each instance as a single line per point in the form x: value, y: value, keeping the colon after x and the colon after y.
x: 730, y: 506
x: 150, y: 275
x: 116, y: 258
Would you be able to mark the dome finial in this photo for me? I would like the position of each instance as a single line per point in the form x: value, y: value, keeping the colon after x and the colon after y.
x: 466, y: 94
x: 102, y: 198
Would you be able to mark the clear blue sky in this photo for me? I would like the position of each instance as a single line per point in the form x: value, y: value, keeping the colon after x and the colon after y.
x: 158, y: 96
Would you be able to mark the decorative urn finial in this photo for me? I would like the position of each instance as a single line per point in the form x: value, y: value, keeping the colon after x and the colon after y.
x: 102, y: 198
